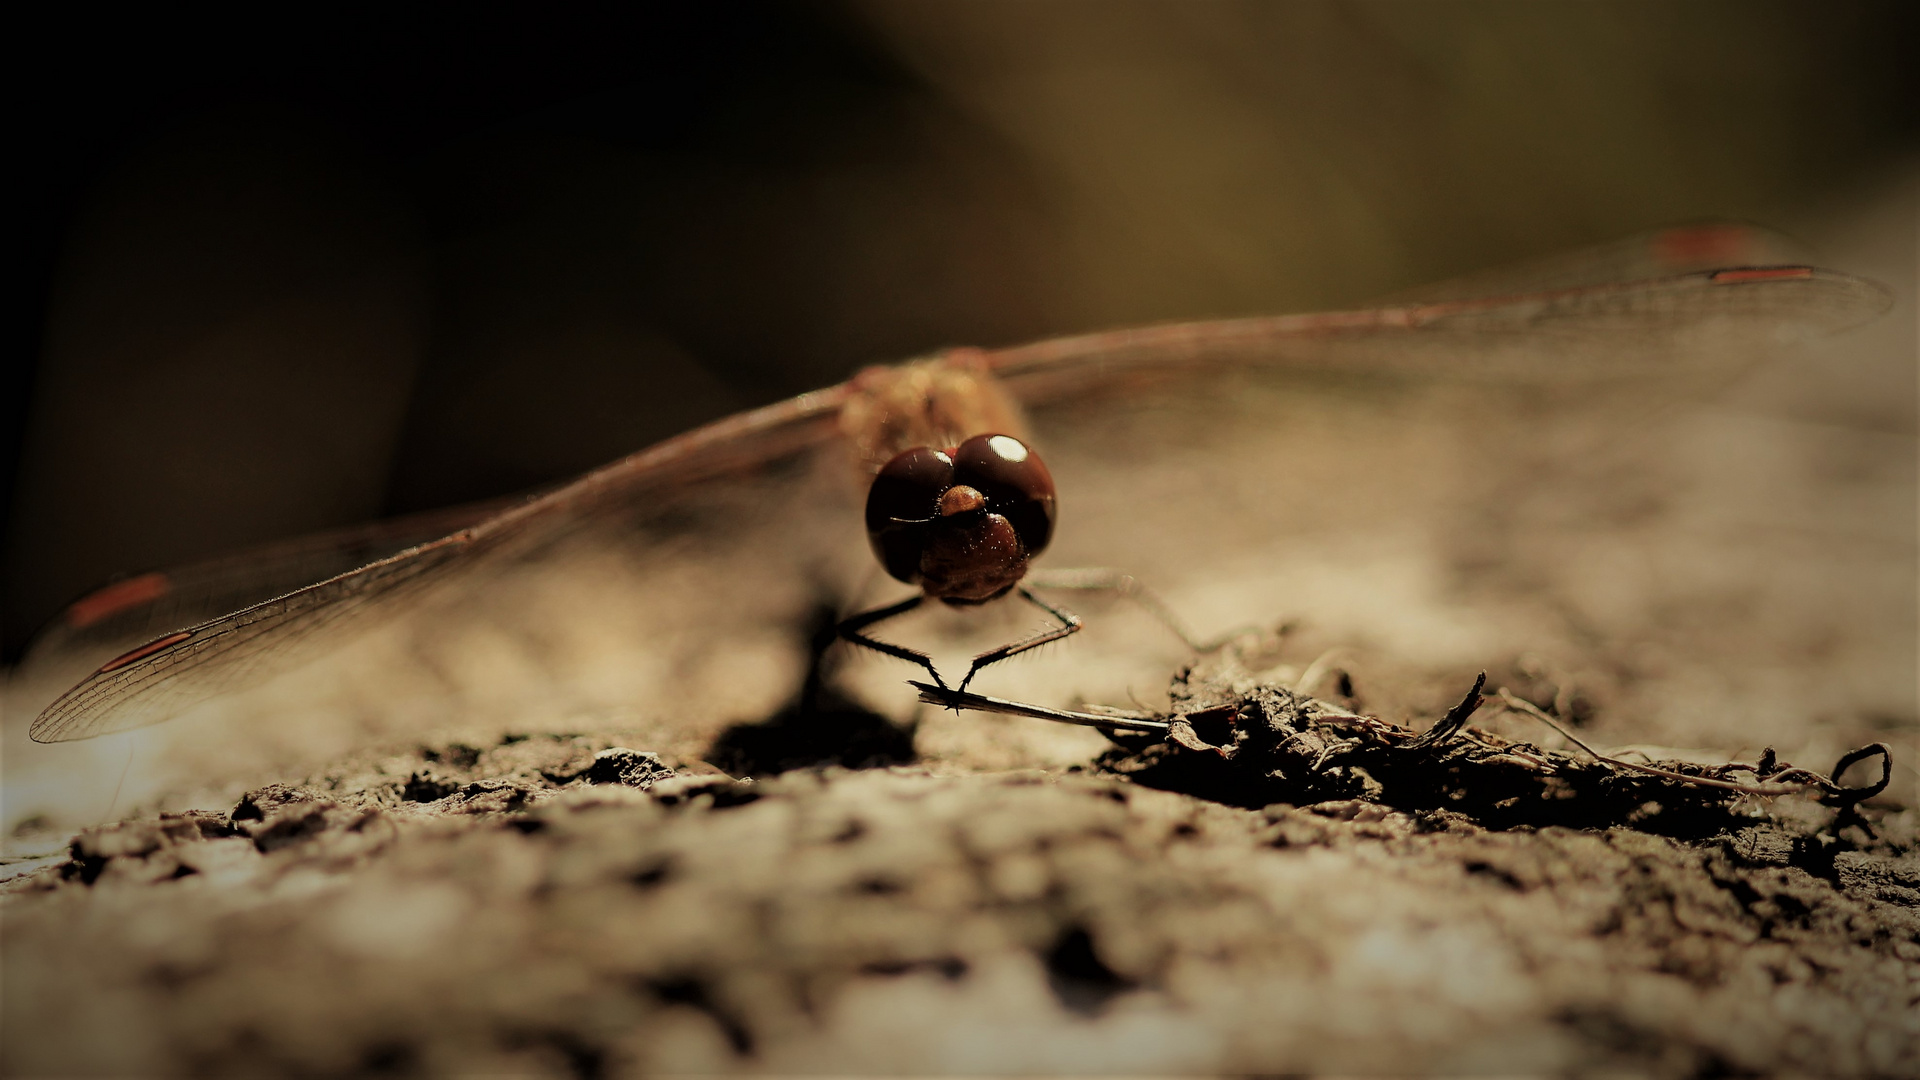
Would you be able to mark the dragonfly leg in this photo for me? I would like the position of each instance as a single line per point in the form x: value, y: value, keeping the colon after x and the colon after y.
x: 850, y: 629
x: 1125, y: 585
x: 1069, y: 625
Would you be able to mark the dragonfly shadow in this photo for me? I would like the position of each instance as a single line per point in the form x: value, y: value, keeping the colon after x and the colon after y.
x: 822, y: 725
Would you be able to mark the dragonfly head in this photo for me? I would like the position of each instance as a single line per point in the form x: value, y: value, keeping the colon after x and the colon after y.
x: 962, y: 523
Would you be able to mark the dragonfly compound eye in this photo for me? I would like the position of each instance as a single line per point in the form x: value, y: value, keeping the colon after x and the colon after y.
x: 1014, y: 481
x: 962, y: 523
x: 903, y: 501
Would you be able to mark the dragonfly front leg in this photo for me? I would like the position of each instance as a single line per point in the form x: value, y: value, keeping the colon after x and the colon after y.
x: 850, y: 629
x: 1069, y: 625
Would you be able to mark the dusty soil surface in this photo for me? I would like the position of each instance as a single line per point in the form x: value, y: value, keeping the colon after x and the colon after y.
x: 552, y: 904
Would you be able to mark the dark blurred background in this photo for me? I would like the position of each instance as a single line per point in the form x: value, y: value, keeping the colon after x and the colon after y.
x: 282, y: 270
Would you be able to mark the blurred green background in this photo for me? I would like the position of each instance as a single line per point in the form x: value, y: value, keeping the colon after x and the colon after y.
x: 291, y: 269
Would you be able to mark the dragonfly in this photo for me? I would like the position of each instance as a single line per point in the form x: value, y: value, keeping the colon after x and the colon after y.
x: 959, y: 501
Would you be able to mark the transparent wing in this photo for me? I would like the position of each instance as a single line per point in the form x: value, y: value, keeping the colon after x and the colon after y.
x: 114, y: 619
x: 1682, y: 325
x: 1586, y: 317
x: 162, y: 677
x: 1664, y: 253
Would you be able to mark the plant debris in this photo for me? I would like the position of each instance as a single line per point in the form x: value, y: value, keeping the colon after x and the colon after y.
x: 1256, y: 745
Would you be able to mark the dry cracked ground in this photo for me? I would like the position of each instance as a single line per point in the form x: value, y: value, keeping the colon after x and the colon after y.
x: 551, y: 904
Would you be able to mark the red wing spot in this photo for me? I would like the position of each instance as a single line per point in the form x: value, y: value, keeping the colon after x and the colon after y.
x: 116, y: 598
x: 1706, y: 244
x: 144, y: 651
x: 1765, y: 273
